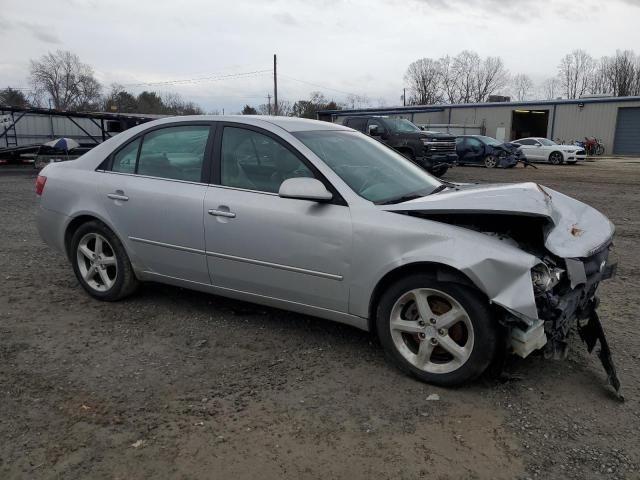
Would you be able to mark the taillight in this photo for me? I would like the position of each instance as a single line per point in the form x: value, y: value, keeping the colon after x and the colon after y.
x: 40, y: 181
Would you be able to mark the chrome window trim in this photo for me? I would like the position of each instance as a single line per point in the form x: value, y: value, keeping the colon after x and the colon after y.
x: 240, y: 189
x: 252, y: 261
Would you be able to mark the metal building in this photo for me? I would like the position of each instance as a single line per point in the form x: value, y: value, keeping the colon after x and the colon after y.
x: 613, y: 120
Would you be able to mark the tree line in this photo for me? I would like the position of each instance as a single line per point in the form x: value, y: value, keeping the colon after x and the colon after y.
x: 62, y: 81
x: 469, y: 78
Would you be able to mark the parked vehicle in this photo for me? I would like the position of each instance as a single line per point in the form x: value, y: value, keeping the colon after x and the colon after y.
x: 537, y: 149
x: 433, y: 151
x: 487, y: 151
x: 320, y: 219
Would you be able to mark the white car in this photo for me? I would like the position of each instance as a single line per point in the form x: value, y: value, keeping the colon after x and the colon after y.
x: 537, y: 149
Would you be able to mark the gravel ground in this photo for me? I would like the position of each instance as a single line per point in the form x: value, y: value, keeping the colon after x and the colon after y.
x: 178, y: 384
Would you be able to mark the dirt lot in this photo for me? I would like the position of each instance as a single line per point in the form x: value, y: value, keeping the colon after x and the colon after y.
x: 177, y: 384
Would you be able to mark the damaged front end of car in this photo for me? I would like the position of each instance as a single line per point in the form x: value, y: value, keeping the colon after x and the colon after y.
x: 569, y: 245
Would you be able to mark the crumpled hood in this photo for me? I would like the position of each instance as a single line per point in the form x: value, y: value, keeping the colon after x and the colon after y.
x: 576, y: 229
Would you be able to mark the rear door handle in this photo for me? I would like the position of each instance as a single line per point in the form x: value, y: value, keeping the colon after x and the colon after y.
x: 117, y: 196
x: 222, y: 213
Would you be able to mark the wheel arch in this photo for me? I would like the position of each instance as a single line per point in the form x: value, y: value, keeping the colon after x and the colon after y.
x: 440, y: 271
x: 561, y: 153
x: 77, y: 221
x: 406, y: 149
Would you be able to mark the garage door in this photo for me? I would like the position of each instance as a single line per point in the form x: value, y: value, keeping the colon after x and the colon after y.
x: 627, y: 140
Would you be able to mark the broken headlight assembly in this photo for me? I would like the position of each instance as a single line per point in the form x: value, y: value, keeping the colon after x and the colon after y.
x: 545, y: 277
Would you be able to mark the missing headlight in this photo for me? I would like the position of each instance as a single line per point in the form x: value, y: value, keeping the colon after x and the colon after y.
x: 545, y: 278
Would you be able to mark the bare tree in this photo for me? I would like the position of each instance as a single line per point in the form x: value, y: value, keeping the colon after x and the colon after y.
x: 624, y: 73
x: 69, y: 83
x: 466, y: 66
x: 357, y: 101
x: 551, y: 88
x: 490, y: 76
x: 575, y: 72
x: 600, y: 77
x: 424, y: 79
x: 449, y: 79
x: 285, y: 108
x: 522, y: 86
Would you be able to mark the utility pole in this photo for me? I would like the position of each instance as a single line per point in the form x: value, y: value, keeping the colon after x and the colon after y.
x: 275, y: 85
x: 404, y: 97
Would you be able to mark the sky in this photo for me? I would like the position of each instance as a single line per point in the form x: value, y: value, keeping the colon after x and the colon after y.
x: 337, y: 47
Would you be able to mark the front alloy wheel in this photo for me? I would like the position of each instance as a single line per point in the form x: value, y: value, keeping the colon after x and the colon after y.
x: 555, y: 158
x: 440, y: 332
x: 431, y: 330
x: 490, y: 161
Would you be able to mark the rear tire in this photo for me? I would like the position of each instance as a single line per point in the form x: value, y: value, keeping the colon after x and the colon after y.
x: 101, y: 263
x: 456, y: 329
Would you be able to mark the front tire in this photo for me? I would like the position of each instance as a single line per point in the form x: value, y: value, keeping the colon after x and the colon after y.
x: 490, y: 161
x: 441, y: 333
x: 101, y: 263
x: 555, y: 158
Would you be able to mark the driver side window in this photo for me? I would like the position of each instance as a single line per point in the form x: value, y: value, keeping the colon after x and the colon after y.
x: 254, y: 161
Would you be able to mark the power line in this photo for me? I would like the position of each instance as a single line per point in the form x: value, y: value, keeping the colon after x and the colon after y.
x: 318, y: 85
x: 209, y: 78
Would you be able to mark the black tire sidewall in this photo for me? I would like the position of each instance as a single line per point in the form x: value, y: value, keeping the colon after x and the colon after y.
x: 554, y: 155
x: 121, y: 259
x: 485, y: 327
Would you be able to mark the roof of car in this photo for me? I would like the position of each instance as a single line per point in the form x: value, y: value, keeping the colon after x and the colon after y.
x: 290, y: 124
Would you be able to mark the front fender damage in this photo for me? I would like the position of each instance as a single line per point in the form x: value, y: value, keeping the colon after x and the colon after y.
x: 561, y: 234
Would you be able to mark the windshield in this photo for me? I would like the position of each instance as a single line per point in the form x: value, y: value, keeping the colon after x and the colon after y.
x: 373, y: 171
x: 400, y: 125
x: 489, y: 140
x: 546, y: 142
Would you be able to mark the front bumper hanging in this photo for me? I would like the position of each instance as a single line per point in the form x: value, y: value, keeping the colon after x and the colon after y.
x: 590, y: 333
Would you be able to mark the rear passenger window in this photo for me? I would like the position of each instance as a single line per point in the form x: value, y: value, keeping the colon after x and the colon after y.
x: 174, y: 152
x: 125, y: 160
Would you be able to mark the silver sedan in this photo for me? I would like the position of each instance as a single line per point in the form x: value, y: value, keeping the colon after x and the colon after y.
x: 320, y: 219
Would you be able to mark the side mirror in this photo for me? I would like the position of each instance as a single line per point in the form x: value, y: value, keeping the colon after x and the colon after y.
x: 538, y: 145
x: 304, y: 188
x: 373, y: 131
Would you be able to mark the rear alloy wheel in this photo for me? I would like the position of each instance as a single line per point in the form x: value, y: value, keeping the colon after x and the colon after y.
x: 490, y: 161
x: 441, y: 333
x: 101, y: 263
x: 555, y: 158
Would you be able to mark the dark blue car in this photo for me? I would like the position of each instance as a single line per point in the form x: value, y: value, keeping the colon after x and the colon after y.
x: 487, y: 151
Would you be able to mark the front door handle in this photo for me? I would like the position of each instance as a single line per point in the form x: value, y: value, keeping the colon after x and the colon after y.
x: 222, y: 213
x: 118, y: 196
